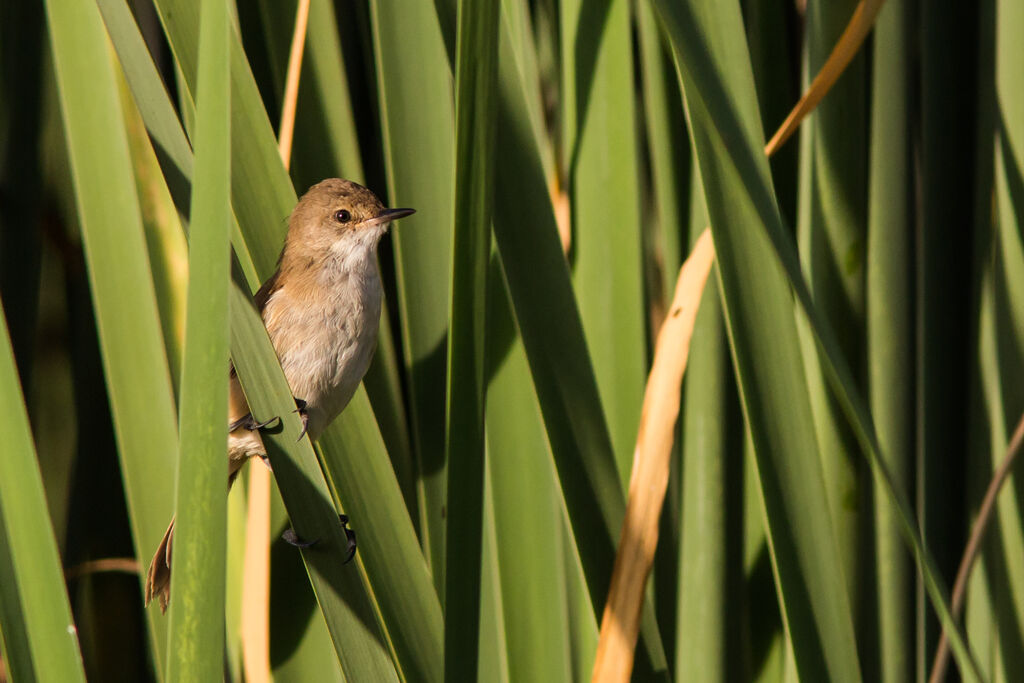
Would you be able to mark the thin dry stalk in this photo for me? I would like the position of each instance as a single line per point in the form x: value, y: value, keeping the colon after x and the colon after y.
x: 621, y: 620
x: 973, y: 548
x: 846, y: 48
x: 126, y: 565
x: 291, y: 85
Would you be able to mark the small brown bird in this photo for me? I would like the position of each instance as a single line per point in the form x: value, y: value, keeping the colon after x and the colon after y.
x: 321, y: 309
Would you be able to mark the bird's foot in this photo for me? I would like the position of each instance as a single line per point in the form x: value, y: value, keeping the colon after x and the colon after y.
x: 290, y: 537
x: 300, y: 408
x: 248, y: 422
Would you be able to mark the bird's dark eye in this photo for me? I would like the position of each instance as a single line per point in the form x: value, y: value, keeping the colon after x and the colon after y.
x: 342, y: 216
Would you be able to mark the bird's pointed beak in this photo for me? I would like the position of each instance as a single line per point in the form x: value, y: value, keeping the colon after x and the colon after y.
x: 388, y: 215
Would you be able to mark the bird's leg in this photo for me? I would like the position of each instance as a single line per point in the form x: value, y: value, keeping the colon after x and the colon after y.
x: 290, y: 537
x: 300, y: 408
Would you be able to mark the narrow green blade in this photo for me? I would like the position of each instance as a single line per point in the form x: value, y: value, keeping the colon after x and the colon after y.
x: 199, y: 577
x: 889, y: 331
x: 604, y: 196
x: 38, y: 634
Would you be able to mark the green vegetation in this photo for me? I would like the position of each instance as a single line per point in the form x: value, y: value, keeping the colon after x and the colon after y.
x: 853, y: 382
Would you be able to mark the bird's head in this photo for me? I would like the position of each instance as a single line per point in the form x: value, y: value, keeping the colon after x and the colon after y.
x: 339, y: 214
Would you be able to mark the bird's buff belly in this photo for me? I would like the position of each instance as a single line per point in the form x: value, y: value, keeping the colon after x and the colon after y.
x: 326, y: 370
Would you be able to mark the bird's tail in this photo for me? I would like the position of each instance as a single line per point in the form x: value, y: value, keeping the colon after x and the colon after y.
x: 158, y: 581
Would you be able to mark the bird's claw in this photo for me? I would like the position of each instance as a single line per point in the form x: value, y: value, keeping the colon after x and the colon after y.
x: 351, y: 536
x: 292, y: 538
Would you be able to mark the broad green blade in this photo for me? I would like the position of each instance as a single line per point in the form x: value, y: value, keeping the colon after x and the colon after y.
x: 418, y: 130
x: 889, y: 331
x: 200, y: 537
x: 604, y: 191
x: 475, y: 124
x: 743, y: 163
x: 131, y: 344
x: 831, y: 232
x: 38, y: 635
